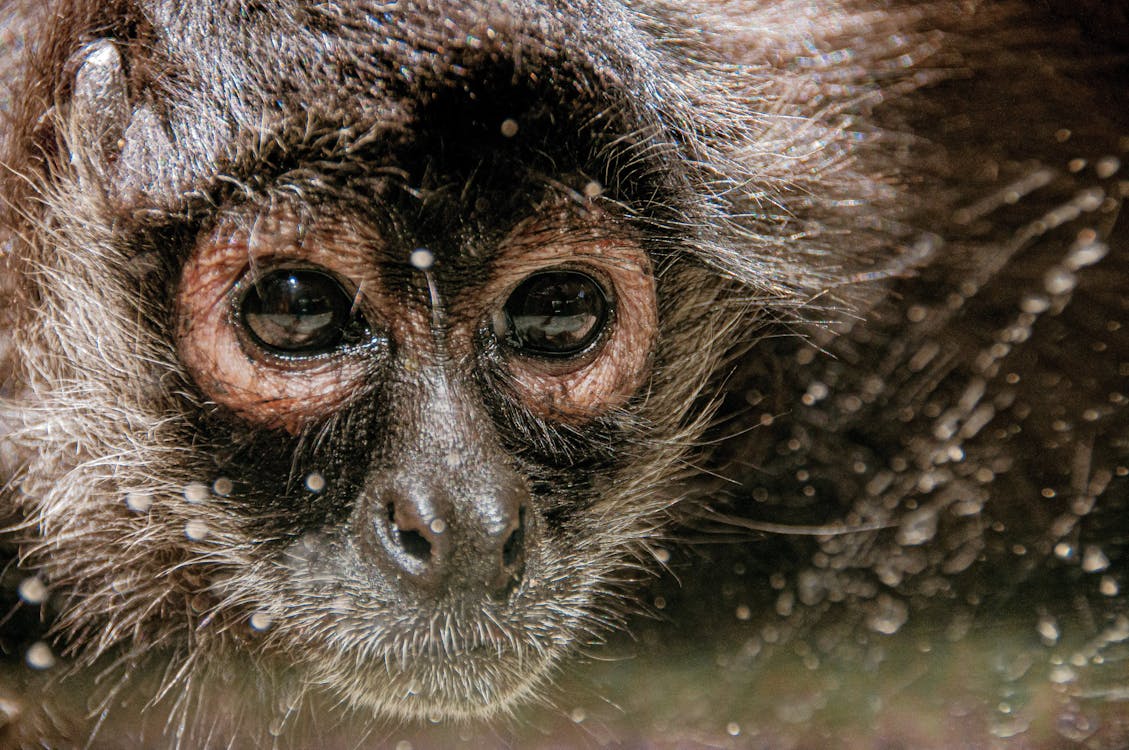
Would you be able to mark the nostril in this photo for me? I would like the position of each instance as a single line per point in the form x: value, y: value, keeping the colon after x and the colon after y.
x: 412, y: 542
x: 513, y: 548
x: 452, y: 545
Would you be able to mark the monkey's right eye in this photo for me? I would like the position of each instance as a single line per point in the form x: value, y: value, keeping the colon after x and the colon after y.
x: 299, y: 312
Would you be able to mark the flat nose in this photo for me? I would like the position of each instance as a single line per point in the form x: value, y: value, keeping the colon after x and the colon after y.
x: 441, y: 544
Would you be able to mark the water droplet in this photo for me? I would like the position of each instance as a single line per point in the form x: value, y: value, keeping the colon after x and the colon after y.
x: 196, y: 530
x: 1009, y: 727
x: 196, y: 492
x: 984, y: 475
x: 1048, y: 630
x: 1075, y: 726
x: 593, y: 189
x: 421, y: 258
x: 1108, y: 586
x: 1035, y: 304
x: 733, y: 729
x: 315, y: 482
x: 32, y: 590
x: 661, y: 554
x: 200, y: 602
x: 1062, y: 674
x: 509, y: 127
x: 260, y: 621
x: 816, y: 392
x: 1107, y: 166
x: 403, y: 745
x: 138, y: 501
x: 927, y: 482
x: 578, y: 715
x: 917, y: 527
x: 223, y: 486
x: 1119, y: 631
x: 1086, y: 254
x: 437, y: 525
x: 889, y: 615
x: 916, y: 313
x: 1064, y: 551
x: 743, y: 612
x: 1094, y: 559
x: 40, y: 656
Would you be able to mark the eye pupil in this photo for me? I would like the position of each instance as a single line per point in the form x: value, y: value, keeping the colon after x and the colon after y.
x: 297, y: 312
x: 554, y: 314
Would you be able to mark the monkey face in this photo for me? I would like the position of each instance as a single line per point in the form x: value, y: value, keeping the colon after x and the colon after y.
x: 382, y: 387
x: 374, y: 344
x: 425, y: 401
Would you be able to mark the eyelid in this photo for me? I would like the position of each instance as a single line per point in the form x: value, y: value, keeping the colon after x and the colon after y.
x: 253, y: 273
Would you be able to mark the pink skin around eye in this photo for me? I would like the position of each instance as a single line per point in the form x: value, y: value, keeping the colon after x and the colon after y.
x: 608, y: 378
x: 272, y: 393
x: 284, y: 394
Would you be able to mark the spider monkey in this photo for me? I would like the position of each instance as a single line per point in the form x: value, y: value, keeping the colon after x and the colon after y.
x: 372, y: 353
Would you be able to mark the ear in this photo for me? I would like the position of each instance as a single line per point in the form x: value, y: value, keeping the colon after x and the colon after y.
x: 99, y: 111
x: 118, y: 148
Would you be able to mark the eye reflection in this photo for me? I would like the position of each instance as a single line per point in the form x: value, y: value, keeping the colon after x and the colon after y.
x: 553, y: 314
x: 298, y: 312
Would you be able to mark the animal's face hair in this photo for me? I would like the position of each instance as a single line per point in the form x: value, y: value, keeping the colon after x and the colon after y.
x: 285, y: 383
x: 417, y: 516
x: 375, y: 345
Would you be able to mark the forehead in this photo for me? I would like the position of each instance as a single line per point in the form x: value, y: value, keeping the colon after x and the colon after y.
x: 404, y: 107
x: 332, y: 74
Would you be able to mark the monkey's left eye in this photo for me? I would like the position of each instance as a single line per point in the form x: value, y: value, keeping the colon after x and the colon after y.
x: 299, y: 312
x: 554, y: 314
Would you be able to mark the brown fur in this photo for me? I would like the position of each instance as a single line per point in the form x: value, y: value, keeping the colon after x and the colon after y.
x: 830, y: 204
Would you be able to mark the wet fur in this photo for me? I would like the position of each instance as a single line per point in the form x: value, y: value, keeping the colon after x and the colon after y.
x: 808, y: 169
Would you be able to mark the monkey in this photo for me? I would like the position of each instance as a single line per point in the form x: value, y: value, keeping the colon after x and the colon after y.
x: 369, y: 358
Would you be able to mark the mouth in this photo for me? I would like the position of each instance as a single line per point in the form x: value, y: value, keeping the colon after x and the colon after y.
x: 353, y: 634
x: 459, y: 659
x: 426, y: 675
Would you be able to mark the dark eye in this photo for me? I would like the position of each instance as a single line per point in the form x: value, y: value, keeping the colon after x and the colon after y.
x: 554, y: 314
x: 295, y: 311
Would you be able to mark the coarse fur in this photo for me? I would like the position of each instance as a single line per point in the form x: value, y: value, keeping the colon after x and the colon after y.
x: 863, y: 321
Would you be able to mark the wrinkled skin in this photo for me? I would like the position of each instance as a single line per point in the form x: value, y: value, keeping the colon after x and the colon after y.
x: 866, y: 269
